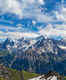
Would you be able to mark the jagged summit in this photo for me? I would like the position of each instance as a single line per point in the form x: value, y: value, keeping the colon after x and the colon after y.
x: 37, y: 55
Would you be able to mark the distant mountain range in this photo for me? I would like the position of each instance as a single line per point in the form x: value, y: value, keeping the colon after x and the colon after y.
x: 38, y: 55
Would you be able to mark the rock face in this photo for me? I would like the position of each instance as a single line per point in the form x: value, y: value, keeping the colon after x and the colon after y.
x: 53, y: 76
x: 39, y: 55
x: 49, y: 76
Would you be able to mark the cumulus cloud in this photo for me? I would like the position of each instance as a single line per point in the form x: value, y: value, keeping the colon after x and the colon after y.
x: 50, y: 31
x: 15, y: 33
x: 25, y: 8
x: 3, y: 35
x: 61, y: 13
x: 11, y: 6
x: 41, y: 1
x: 32, y: 9
x: 8, y: 28
x: 61, y: 16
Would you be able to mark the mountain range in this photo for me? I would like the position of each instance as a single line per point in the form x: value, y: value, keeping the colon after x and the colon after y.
x: 38, y: 55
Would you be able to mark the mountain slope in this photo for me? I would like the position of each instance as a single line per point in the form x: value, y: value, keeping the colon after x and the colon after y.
x: 40, y: 55
x: 12, y: 74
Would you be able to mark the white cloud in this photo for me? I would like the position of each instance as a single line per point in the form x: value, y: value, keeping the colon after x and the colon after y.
x: 61, y: 13
x: 17, y: 35
x: 59, y: 16
x: 41, y: 1
x: 8, y: 28
x: 50, y: 31
x: 12, y: 6
x: 3, y: 35
x: 33, y: 11
x: 25, y: 8
x: 28, y: 1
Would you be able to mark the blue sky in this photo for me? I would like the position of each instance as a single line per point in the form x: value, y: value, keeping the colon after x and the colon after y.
x: 32, y: 18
